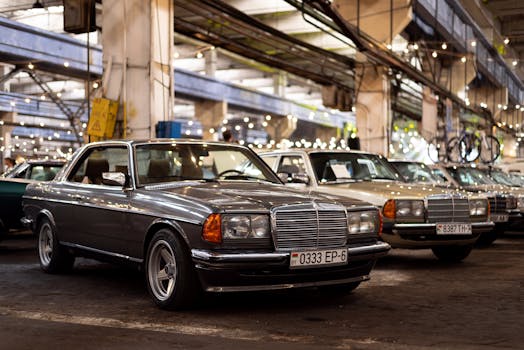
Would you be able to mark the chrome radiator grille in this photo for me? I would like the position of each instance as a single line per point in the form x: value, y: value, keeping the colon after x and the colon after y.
x: 308, y: 226
x: 500, y: 203
x: 448, y: 209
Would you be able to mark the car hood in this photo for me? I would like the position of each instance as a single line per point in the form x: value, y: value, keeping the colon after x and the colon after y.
x: 377, y: 192
x: 234, y: 195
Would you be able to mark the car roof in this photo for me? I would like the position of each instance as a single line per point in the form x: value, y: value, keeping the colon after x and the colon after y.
x: 317, y: 150
x: 163, y: 141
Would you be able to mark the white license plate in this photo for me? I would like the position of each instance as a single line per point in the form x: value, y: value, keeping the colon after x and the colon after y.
x: 499, y: 217
x: 454, y: 229
x: 315, y: 258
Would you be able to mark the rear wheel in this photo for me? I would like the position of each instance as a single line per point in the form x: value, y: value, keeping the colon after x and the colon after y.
x: 170, y: 276
x: 53, y: 257
x: 452, y: 253
x: 489, y: 149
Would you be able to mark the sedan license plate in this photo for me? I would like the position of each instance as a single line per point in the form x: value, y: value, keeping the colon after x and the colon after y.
x: 318, y: 258
x: 454, y: 229
x: 499, y: 217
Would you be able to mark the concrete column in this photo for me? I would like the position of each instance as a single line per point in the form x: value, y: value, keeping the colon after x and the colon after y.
x: 280, y: 128
x: 138, y: 48
x: 210, y: 114
x: 373, y: 17
x: 373, y: 110
x: 211, y: 62
x: 462, y: 73
x: 279, y: 84
x: 5, y: 134
x: 429, y: 114
x: 325, y: 133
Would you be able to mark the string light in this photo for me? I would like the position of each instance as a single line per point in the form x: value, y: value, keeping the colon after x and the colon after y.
x: 434, y: 54
x: 506, y: 41
x: 66, y: 64
x: 444, y: 46
x: 514, y: 63
x: 473, y: 43
x: 463, y: 59
x: 30, y: 66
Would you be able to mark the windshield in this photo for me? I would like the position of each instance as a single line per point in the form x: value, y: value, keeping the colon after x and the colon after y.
x: 469, y: 176
x: 416, y: 172
x: 339, y: 166
x: 158, y: 163
x: 502, y: 178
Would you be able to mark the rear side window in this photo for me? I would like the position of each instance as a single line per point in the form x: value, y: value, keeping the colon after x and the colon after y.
x: 99, y: 160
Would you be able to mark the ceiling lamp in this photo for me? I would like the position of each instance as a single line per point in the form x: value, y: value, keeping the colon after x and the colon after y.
x: 38, y: 5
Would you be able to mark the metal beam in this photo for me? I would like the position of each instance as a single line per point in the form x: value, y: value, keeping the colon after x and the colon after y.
x: 51, y: 52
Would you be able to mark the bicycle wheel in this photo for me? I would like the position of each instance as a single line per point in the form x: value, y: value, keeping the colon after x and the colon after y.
x: 489, y: 149
x: 469, y: 147
x: 453, y: 151
x: 437, y: 149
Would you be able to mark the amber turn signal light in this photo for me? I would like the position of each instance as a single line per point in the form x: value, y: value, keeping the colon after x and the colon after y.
x: 212, y: 230
x: 389, y: 209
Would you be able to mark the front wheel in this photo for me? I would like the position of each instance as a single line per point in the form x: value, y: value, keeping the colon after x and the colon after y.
x: 170, y: 276
x: 53, y: 257
x: 452, y: 253
x: 490, y: 149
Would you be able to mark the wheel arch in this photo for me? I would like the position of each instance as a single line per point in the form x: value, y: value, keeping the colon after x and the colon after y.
x: 159, y: 224
x: 44, y: 214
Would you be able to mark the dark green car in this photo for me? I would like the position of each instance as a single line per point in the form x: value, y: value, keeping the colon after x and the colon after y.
x: 12, y: 188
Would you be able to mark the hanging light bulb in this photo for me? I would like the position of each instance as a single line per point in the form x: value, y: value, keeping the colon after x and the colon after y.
x: 434, y: 54
x: 444, y: 46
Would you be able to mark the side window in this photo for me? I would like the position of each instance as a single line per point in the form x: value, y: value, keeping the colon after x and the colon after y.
x: 97, y: 161
x: 291, y: 165
x: 270, y: 160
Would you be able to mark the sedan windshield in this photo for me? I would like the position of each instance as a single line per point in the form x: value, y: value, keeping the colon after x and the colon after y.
x: 416, y: 172
x: 502, y: 178
x: 339, y: 166
x: 469, y: 176
x: 158, y: 163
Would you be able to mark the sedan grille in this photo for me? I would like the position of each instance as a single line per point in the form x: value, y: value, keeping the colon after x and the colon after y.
x: 309, y: 226
x: 448, y: 209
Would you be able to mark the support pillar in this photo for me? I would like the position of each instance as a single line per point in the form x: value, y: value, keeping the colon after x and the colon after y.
x: 279, y: 84
x: 462, y: 73
x: 137, y: 52
x: 211, y: 62
x: 373, y: 110
x: 325, y: 133
x: 210, y: 114
x: 429, y: 114
x: 280, y: 128
x: 5, y: 134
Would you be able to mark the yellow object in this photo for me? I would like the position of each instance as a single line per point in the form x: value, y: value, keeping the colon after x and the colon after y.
x: 103, y: 118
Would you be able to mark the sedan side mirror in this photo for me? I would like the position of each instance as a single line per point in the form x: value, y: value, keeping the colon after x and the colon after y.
x: 114, y: 179
x: 294, y: 178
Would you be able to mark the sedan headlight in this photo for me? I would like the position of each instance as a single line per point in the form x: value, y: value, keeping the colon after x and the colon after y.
x: 403, y: 209
x: 478, y: 207
x: 245, y: 226
x: 511, y: 202
x: 520, y: 202
x: 360, y: 222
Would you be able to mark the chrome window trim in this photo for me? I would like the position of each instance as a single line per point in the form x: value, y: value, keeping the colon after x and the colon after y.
x: 104, y: 252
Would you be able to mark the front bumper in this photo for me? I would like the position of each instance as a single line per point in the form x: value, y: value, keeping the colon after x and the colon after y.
x: 253, y: 271
x: 424, y: 235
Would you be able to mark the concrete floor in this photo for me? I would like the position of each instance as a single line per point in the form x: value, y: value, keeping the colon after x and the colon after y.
x: 413, y: 301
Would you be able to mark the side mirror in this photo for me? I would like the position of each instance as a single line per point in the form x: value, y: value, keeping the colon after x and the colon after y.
x: 300, y: 178
x: 294, y: 178
x: 114, y: 179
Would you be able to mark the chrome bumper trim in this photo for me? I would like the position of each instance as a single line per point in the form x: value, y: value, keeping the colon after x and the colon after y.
x: 207, y: 255
x: 26, y: 222
x: 285, y: 286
